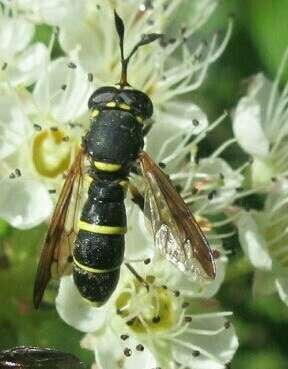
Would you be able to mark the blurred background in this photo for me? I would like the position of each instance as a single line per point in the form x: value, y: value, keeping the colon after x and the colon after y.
x: 259, y: 40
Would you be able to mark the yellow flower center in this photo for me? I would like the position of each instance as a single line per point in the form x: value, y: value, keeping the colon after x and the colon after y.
x: 51, y: 153
x: 152, y: 310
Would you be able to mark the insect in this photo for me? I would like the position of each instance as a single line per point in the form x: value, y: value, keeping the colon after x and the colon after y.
x: 35, y: 357
x: 113, y: 146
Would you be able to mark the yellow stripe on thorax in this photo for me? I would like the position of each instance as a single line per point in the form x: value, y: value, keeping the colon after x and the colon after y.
x: 107, y: 167
x: 101, y: 229
x: 95, y: 113
x: 93, y: 270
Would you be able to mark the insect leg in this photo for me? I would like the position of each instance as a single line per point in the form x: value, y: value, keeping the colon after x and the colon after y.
x: 137, y: 198
x: 147, y: 127
x: 137, y: 276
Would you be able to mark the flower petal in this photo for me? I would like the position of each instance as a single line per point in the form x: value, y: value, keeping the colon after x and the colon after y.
x: 24, y: 203
x: 248, y: 129
x: 215, y: 345
x: 28, y: 65
x: 109, y: 351
x: 183, y: 115
x: 226, y: 181
x: 253, y: 242
x: 64, y: 104
x: 77, y: 312
x: 15, y: 35
x: 13, y: 124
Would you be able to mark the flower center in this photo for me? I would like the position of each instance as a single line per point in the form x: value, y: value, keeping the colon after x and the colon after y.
x: 147, y: 310
x: 51, y: 153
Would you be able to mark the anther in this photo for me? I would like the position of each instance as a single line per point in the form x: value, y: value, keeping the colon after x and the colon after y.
x: 65, y: 139
x: 140, y: 347
x: 130, y: 322
x: 195, y: 122
x: 63, y: 87
x: 127, y: 352
x: 90, y: 77
x: 216, y: 253
x: 227, y: 324
x: 147, y: 261
x: 176, y: 293
x: 185, y: 304
x: 72, y: 65
x: 37, y: 127
x: 4, y: 66
x: 12, y: 175
x: 54, y: 129
x: 211, y: 194
x: 18, y: 172
x: 195, y: 353
x: 156, y: 319
x: 124, y: 337
x: 162, y: 165
x: 187, y: 319
x: 52, y: 190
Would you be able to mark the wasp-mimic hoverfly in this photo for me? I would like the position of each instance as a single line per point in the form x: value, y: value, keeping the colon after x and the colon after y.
x: 94, y: 245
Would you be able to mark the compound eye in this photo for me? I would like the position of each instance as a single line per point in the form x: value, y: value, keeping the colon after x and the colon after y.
x: 102, y: 96
x: 138, y: 101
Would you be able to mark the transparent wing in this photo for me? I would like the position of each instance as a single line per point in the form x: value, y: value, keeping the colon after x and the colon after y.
x: 55, y: 259
x: 176, y: 233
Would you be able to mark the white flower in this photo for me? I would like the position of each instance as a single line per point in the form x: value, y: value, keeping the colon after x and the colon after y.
x: 166, y: 326
x: 260, y: 125
x: 264, y: 236
x: 163, y: 72
x: 40, y: 135
x: 21, y: 62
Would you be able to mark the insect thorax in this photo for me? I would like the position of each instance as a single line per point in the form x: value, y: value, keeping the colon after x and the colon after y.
x: 116, y: 131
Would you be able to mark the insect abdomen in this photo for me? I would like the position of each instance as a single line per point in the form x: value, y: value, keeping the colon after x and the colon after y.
x: 99, y: 247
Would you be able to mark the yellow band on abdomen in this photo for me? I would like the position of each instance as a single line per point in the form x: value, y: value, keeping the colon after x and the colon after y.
x: 93, y: 270
x: 101, y: 229
x: 107, y: 167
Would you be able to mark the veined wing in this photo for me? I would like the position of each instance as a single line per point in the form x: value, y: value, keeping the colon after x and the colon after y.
x: 55, y: 259
x: 176, y: 232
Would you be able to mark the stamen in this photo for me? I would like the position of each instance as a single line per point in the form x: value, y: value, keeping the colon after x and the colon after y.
x: 223, y: 147
x: 275, y: 86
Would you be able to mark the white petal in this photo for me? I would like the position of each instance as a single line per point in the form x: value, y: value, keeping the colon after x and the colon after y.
x: 138, y: 243
x: 282, y: 287
x: 68, y: 104
x: 253, y: 242
x: 248, y: 129
x: 183, y: 115
x: 225, y: 192
x: 216, y: 349
x: 24, y: 203
x: 15, y: 35
x: 55, y: 12
x: 77, y: 312
x: 13, y: 124
x: 28, y: 65
x: 109, y: 351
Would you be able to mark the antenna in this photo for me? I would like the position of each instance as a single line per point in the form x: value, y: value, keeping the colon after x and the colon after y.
x: 145, y: 39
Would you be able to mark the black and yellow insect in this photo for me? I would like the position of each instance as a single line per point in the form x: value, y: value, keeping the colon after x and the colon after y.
x: 113, y: 146
x: 28, y: 357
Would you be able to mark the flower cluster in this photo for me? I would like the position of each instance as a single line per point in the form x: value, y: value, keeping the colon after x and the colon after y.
x: 260, y: 124
x: 44, y: 89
